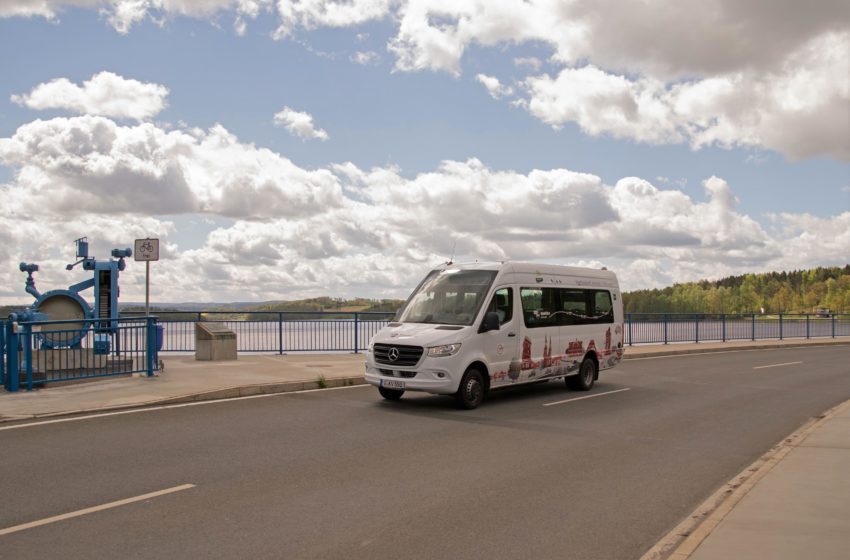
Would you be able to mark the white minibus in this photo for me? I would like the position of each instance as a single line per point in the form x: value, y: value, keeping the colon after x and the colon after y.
x: 471, y: 328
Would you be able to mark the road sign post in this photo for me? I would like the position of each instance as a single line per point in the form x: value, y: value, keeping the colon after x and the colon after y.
x: 147, y: 250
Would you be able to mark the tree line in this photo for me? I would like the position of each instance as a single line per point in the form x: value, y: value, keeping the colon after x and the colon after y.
x: 822, y: 289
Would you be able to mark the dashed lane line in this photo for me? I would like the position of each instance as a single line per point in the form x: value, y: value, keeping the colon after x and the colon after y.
x: 778, y: 365
x: 588, y: 396
x: 93, y: 509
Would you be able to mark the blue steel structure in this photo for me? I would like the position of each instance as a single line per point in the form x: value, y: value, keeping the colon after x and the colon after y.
x: 74, y: 339
x: 104, y: 313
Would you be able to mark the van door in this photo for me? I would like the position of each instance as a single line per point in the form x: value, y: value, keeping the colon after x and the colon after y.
x: 587, y: 325
x: 541, y: 340
x: 501, y: 347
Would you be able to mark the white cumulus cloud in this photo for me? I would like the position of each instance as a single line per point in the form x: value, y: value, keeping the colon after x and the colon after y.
x: 494, y: 87
x: 105, y: 93
x: 344, y: 230
x: 801, y: 110
x: 41, y: 8
x: 365, y: 58
x: 602, y: 103
x: 310, y: 14
x: 299, y: 123
x: 723, y: 73
x: 122, y: 15
x: 81, y: 165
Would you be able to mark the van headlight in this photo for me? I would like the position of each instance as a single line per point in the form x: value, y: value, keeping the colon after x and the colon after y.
x: 444, y: 350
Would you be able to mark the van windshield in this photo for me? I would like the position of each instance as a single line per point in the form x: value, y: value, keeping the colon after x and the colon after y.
x: 448, y: 297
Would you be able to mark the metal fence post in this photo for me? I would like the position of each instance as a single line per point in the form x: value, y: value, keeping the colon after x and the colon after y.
x: 696, y: 328
x: 3, y: 353
x: 280, y: 333
x: 151, y: 345
x: 665, y: 328
x: 28, y: 354
x: 807, y: 326
x: 833, y: 325
x: 754, y: 327
x: 780, y: 326
x: 13, y: 370
x: 356, y: 333
x: 629, y: 320
x: 723, y: 325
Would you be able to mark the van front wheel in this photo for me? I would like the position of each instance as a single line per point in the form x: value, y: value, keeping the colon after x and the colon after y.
x: 390, y: 394
x: 585, y: 378
x: 470, y: 394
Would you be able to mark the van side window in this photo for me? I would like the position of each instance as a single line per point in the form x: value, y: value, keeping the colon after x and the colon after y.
x: 573, y: 306
x: 539, y: 307
x: 585, y: 307
x: 603, y: 309
x: 503, y: 304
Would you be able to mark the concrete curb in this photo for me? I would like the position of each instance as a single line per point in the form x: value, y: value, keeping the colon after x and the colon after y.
x: 214, y: 395
x: 685, y: 538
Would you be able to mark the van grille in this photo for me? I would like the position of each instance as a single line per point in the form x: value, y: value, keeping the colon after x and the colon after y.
x: 407, y: 355
x: 398, y: 373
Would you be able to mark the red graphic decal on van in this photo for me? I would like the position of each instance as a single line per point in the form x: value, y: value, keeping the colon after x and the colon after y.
x: 575, y: 348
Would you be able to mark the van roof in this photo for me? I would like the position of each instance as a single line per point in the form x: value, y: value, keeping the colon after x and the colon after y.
x: 531, y: 268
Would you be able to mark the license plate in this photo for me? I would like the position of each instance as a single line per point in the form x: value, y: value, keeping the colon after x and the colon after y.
x: 392, y: 383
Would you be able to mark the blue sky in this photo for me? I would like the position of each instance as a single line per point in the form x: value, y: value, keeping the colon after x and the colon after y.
x: 495, y: 128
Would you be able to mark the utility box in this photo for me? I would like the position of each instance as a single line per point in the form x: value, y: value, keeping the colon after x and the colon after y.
x: 101, y: 344
x: 214, y: 342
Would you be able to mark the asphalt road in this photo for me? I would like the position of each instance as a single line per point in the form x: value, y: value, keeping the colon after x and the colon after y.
x: 344, y: 474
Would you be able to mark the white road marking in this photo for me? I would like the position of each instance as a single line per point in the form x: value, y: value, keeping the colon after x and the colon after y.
x: 778, y: 365
x: 167, y: 406
x: 78, y: 513
x: 588, y: 396
x: 709, y: 353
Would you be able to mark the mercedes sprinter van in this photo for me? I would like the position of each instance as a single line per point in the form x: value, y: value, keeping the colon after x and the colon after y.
x: 471, y: 328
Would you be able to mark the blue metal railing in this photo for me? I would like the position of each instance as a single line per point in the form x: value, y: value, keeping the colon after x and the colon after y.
x: 279, y: 331
x: 666, y: 328
x: 2, y: 353
x: 33, y: 355
x: 132, y: 347
x: 332, y: 331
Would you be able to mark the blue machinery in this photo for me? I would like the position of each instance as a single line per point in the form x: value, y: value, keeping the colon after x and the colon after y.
x: 69, y: 307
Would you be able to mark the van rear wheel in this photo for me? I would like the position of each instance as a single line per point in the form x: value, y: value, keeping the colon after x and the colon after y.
x: 470, y: 394
x: 391, y: 394
x: 585, y: 378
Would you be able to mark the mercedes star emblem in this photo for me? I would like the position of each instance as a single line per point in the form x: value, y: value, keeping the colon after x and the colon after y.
x: 393, y: 354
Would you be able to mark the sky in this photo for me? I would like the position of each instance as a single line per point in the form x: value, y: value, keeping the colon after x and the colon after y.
x: 292, y: 149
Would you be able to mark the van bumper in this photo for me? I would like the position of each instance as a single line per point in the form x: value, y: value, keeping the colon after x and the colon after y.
x: 435, y: 380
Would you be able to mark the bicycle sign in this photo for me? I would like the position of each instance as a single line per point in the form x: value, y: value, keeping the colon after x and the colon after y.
x: 147, y: 250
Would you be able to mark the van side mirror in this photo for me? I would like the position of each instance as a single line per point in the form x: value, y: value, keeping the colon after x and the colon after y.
x: 490, y: 322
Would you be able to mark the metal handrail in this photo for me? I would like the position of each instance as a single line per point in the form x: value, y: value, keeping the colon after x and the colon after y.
x: 39, y: 352
x: 665, y: 328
